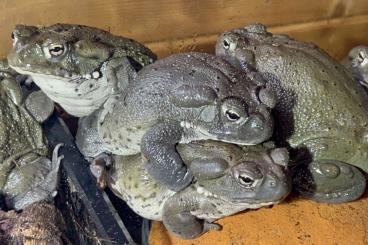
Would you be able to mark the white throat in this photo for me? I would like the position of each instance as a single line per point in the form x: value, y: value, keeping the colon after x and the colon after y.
x: 77, y: 99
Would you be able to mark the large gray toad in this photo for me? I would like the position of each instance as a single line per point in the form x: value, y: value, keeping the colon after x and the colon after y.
x: 228, y: 180
x: 185, y: 97
x: 77, y: 66
x: 26, y: 173
x: 320, y: 111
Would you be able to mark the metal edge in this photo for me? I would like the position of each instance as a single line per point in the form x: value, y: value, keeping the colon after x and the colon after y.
x: 97, y: 203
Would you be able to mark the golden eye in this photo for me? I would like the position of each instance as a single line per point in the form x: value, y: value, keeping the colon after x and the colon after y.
x: 56, y: 49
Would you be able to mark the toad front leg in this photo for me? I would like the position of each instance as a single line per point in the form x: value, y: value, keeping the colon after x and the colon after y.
x: 36, y: 180
x: 39, y: 105
x: 163, y: 161
x: 120, y: 73
x: 178, y: 219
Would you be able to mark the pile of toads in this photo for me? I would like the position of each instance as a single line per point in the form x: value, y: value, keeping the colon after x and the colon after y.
x: 193, y: 137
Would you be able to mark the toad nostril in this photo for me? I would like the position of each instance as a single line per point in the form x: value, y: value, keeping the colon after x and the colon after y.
x: 271, y: 182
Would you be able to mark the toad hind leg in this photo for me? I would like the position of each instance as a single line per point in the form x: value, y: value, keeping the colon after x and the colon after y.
x: 163, y: 161
x: 329, y: 181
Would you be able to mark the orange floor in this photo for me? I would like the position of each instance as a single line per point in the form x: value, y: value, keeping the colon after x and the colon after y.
x: 295, y: 221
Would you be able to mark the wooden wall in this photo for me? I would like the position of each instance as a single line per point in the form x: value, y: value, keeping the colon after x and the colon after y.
x: 169, y: 26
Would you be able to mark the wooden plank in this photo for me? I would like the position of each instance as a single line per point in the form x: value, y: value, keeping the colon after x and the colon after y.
x: 336, y: 36
x: 149, y: 21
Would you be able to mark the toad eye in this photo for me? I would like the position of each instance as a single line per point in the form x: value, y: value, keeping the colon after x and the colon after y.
x: 246, y: 181
x: 56, y: 49
x: 234, y: 111
x: 361, y: 57
x: 226, y: 44
x: 232, y: 115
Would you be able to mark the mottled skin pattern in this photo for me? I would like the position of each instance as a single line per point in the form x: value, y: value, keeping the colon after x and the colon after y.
x: 320, y: 110
x: 185, y: 97
x: 357, y: 63
x: 37, y: 103
x: 26, y: 174
x: 79, y: 67
x: 229, y: 179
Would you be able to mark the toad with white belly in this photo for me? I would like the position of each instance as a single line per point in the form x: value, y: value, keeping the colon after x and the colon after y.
x: 77, y: 66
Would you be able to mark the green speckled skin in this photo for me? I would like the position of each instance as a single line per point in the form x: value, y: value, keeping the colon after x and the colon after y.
x: 23, y: 151
x: 95, y: 45
x: 217, y: 192
x: 77, y: 66
x: 320, y: 107
x: 20, y: 134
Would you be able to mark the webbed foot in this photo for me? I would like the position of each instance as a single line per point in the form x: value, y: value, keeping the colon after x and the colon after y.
x: 329, y: 181
x: 187, y: 226
x: 178, y: 219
